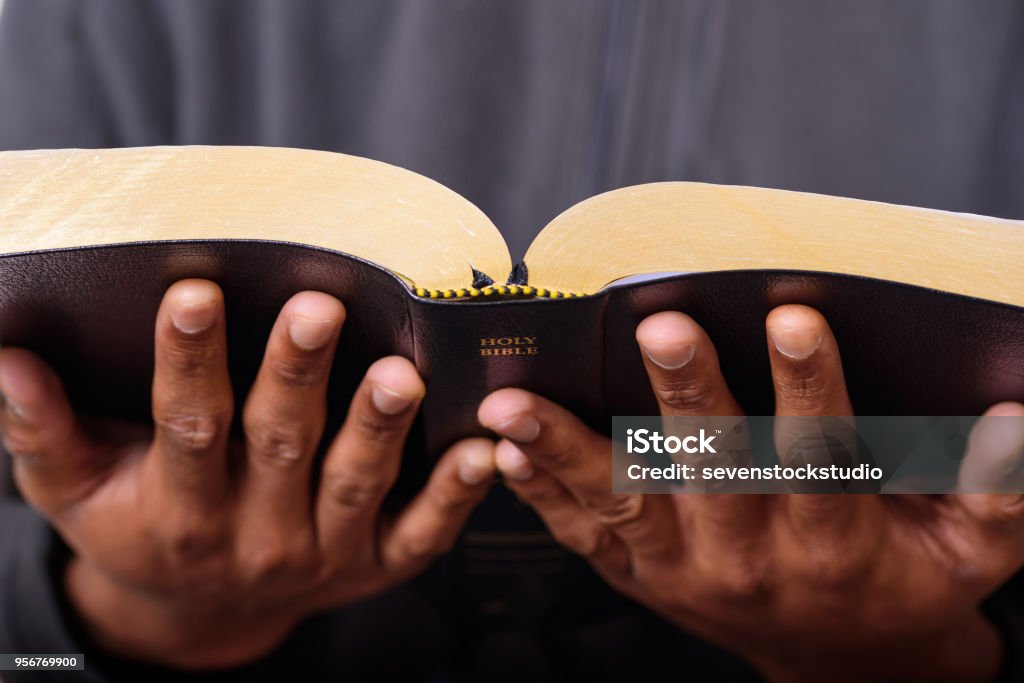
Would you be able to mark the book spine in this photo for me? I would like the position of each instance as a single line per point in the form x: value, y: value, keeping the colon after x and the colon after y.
x: 506, y: 560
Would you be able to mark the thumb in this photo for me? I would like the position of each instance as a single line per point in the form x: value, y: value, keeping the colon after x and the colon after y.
x: 992, y: 471
x: 53, y: 459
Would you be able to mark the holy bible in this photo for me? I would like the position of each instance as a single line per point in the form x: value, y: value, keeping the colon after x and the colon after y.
x: 927, y: 306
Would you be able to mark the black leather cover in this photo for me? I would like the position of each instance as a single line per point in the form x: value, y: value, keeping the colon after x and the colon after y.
x: 906, y: 350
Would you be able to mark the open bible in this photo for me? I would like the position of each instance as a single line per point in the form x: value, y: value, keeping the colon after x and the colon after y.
x: 927, y: 306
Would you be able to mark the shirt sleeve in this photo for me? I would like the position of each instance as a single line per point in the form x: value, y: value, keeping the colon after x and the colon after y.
x: 358, y: 642
x: 1005, y: 609
x: 31, y: 619
x: 35, y: 617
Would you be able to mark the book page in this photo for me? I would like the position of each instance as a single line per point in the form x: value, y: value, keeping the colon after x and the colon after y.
x: 696, y: 227
x: 409, y: 224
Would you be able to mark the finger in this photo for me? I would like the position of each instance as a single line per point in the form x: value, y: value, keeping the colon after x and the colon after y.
x: 285, y: 412
x: 808, y: 377
x: 993, y: 463
x: 362, y: 463
x: 806, y: 368
x: 682, y: 365
x: 430, y: 524
x: 570, y: 523
x: 683, y: 368
x: 55, y: 463
x: 986, y: 530
x: 558, y: 442
x: 192, y: 398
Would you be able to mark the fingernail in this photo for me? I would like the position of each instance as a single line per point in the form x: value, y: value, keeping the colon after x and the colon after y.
x: 1013, y: 466
x: 389, y: 402
x: 310, y: 334
x: 12, y: 408
x: 671, y: 358
x: 796, y: 344
x: 522, y: 428
x: 476, y: 467
x: 194, y: 318
x: 512, y: 462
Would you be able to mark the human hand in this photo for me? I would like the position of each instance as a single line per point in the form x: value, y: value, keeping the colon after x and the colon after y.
x: 805, y: 587
x: 194, y: 551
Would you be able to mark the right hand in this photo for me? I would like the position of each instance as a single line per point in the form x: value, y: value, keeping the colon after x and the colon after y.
x: 806, y: 587
x: 193, y: 551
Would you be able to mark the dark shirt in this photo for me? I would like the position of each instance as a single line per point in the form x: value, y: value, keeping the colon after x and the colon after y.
x: 525, y: 108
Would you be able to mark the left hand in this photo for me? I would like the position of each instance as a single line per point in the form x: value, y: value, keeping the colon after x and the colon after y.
x: 806, y: 587
x: 194, y: 548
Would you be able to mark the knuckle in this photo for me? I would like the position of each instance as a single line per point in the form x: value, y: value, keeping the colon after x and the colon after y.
x: 265, y: 562
x: 22, y: 443
x: 352, y: 492
x: 737, y: 583
x: 562, y: 456
x: 192, y: 431
x: 191, y: 358
x: 192, y: 541
x: 807, y: 390
x: 591, y: 543
x: 297, y: 372
x: 449, y: 502
x: 816, y: 453
x: 273, y: 559
x: 686, y: 394
x: 374, y: 428
x: 420, y: 548
x: 741, y: 582
x: 1005, y: 514
x: 820, y: 442
x: 277, y: 444
x: 618, y: 510
x: 829, y: 564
